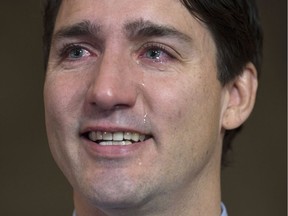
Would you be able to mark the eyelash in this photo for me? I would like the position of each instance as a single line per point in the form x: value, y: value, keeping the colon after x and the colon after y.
x: 157, y: 46
x: 67, y: 48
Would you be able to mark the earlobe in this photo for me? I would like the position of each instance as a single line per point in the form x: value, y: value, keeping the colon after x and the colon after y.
x: 241, y: 98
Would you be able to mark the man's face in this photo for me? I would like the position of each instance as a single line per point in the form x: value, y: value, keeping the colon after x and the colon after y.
x: 140, y: 72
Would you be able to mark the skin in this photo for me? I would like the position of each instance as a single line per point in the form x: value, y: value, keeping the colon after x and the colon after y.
x: 115, y: 83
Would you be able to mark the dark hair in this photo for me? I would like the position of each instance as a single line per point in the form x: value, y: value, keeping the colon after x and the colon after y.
x: 51, y: 8
x: 235, y: 28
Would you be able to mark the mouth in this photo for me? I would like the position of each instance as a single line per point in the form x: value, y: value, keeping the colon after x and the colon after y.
x: 119, y: 138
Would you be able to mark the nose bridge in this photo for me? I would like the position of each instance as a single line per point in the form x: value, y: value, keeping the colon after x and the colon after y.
x: 113, y: 84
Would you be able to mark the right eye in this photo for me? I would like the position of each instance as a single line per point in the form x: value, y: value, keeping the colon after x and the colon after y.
x: 76, y: 53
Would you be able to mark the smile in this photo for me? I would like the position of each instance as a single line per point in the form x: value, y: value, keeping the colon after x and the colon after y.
x: 115, y: 138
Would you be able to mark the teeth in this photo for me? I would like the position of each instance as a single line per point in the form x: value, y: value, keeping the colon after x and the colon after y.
x: 116, y: 138
x: 107, y: 136
x: 109, y: 143
x: 142, y: 138
x: 135, y: 137
x: 99, y: 135
x: 127, y: 135
x: 93, y: 136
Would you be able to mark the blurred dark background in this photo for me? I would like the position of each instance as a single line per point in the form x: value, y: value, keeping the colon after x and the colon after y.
x: 255, y: 183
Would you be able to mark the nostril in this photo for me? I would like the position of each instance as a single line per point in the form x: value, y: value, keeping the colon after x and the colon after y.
x: 112, y: 99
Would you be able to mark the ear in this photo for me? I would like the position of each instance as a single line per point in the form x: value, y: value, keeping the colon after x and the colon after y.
x: 240, y: 100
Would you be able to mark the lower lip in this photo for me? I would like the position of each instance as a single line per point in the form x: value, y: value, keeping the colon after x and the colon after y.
x: 113, y: 151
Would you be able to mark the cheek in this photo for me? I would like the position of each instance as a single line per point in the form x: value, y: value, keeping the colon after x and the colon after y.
x: 62, y: 105
x: 56, y: 99
x: 186, y: 109
x: 185, y: 119
x: 175, y: 100
x: 62, y: 97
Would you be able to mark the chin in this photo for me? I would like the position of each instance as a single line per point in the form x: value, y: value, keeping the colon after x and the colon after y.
x: 115, y: 192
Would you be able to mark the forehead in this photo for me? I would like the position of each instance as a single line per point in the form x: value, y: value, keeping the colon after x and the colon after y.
x: 115, y: 14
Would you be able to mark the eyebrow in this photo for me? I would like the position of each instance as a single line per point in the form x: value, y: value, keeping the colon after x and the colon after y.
x: 146, y: 29
x: 81, y: 29
x: 133, y: 30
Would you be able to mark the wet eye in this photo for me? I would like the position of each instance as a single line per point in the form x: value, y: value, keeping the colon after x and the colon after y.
x: 77, y: 53
x: 73, y: 52
x: 156, y: 53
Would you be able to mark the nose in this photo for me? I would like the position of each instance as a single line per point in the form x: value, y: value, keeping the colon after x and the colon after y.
x: 114, y: 85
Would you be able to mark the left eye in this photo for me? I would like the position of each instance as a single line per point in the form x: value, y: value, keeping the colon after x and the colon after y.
x: 154, y: 54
